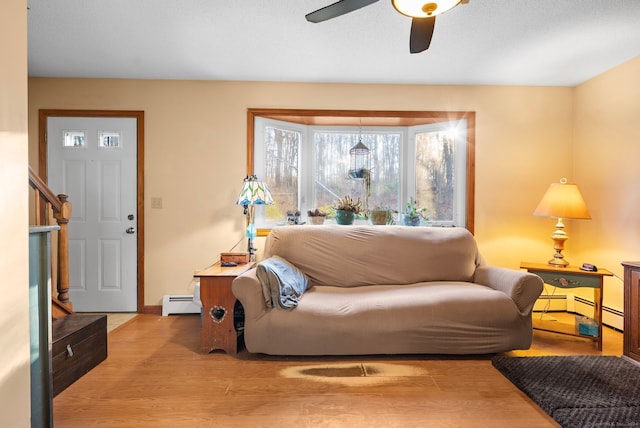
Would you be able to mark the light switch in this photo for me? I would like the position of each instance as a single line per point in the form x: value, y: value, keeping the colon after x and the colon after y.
x: 156, y: 203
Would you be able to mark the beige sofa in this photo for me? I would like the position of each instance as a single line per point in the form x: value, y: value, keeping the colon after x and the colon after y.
x: 388, y: 290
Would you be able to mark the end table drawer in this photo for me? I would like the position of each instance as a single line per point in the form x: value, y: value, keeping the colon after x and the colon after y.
x: 568, y: 279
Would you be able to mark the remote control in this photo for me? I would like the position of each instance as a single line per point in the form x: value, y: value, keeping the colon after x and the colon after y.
x: 589, y: 267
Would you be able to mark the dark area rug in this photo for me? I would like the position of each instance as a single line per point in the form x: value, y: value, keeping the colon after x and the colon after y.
x: 579, y: 391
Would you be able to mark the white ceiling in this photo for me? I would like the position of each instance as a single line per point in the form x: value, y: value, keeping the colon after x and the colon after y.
x: 483, y: 42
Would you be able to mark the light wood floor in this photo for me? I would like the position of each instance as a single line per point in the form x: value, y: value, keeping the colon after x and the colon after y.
x: 155, y: 377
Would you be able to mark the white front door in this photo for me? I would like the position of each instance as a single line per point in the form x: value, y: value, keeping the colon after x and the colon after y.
x: 93, y: 161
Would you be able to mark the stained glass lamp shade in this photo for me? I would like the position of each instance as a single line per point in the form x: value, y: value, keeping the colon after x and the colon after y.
x: 254, y: 192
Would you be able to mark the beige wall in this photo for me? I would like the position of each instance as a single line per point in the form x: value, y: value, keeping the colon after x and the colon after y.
x: 607, y: 168
x: 195, y: 156
x: 14, y: 263
x: 196, y: 149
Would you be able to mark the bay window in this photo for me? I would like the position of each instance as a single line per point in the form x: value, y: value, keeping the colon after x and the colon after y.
x: 305, y: 162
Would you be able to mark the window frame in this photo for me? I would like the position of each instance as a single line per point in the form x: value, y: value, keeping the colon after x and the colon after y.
x: 371, y: 118
x: 460, y: 189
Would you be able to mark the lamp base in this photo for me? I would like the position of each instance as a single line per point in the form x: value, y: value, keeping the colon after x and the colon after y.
x: 558, y: 237
x: 558, y: 262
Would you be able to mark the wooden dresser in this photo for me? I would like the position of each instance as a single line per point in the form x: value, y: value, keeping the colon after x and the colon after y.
x: 631, y: 347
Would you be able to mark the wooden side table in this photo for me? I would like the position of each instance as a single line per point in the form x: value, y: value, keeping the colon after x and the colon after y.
x: 571, y: 277
x: 218, y: 303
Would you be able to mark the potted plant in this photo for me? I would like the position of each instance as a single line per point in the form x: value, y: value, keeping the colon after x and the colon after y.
x: 346, y: 209
x: 380, y: 215
x: 316, y: 216
x: 293, y: 217
x: 413, y: 214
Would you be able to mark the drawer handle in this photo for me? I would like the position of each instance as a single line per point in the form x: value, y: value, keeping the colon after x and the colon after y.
x: 69, y: 351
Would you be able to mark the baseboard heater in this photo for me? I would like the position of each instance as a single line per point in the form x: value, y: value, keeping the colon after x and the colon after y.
x: 181, y: 304
x: 610, y: 317
x: 575, y: 304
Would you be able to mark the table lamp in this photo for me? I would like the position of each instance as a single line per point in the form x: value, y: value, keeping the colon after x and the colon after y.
x: 562, y: 200
x: 254, y: 192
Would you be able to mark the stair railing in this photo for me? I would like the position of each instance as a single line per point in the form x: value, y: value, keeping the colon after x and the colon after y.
x: 47, y: 202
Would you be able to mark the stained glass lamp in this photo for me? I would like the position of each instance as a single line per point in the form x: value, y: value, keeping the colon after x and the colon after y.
x: 254, y: 192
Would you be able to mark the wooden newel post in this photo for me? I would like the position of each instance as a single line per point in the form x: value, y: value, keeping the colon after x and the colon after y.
x: 62, y: 217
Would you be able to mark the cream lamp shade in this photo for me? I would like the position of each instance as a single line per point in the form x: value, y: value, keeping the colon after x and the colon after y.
x: 561, y: 200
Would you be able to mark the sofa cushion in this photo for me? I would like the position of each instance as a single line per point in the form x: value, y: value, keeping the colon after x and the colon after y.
x: 431, y: 317
x: 349, y: 256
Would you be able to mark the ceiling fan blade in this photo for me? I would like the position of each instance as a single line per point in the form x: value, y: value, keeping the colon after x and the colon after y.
x: 421, y: 33
x: 336, y: 9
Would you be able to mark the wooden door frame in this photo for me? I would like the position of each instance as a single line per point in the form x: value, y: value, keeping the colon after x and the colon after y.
x: 45, y: 114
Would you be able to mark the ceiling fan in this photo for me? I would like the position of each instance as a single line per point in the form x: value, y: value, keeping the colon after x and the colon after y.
x: 423, y: 13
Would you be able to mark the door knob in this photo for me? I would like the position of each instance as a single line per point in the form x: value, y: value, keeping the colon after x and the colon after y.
x: 131, y: 230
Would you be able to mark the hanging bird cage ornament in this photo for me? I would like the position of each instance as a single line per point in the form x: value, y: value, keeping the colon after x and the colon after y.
x: 360, y: 157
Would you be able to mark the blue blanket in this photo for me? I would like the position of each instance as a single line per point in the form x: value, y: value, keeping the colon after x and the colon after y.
x: 282, y: 283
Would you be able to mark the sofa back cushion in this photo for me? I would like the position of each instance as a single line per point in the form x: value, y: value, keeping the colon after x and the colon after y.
x: 349, y: 256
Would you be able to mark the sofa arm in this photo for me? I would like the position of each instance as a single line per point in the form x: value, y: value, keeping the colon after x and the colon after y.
x: 523, y: 287
x: 248, y: 291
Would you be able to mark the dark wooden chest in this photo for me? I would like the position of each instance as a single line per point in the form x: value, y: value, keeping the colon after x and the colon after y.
x: 79, y: 344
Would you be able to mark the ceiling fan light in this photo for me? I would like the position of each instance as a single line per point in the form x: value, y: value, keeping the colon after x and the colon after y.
x: 424, y: 8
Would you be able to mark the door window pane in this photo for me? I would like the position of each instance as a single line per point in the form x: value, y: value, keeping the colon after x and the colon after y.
x: 74, y: 139
x: 110, y: 139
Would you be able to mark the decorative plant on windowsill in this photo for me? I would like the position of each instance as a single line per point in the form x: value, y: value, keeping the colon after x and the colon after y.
x: 316, y: 216
x: 348, y: 204
x: 413, y: 214
x: 381, y: 215
x: 346, y: 209
x: 293, y: 217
